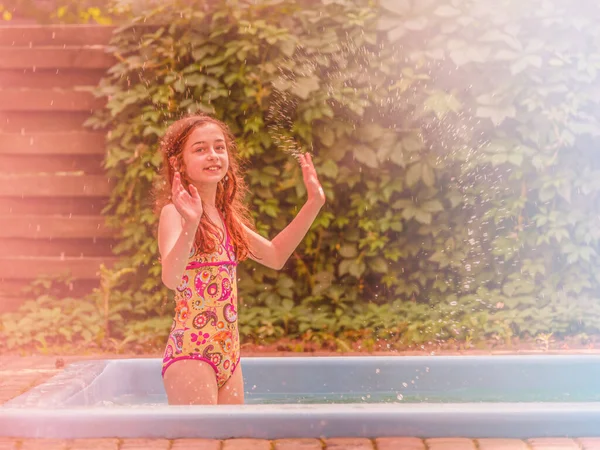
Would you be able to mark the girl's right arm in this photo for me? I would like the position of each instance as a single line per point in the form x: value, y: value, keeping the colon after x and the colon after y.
x: 175, y: 239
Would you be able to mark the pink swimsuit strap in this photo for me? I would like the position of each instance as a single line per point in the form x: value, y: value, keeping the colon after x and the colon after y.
x: 197, y: 264
x: 227, y: 247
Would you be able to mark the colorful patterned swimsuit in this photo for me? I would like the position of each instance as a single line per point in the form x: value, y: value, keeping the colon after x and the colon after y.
x: 205, y: 323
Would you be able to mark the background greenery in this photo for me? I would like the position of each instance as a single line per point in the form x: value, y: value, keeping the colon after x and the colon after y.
x: 456, y: 144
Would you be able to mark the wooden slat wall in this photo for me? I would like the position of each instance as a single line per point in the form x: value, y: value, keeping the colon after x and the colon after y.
x: 52, y: 184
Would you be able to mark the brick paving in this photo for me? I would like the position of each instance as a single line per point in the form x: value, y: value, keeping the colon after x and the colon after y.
x: 18, y: 375
x: 450, y: 444
x: 399, y: 443
x: 502, y: 444
x: 348, y: 444
x: 589, y: 443
x: 297, y: 444
x: 196, y: 444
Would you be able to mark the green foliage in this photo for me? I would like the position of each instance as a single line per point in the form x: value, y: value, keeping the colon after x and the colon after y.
x: 68, y: 11
x: 455, y: 144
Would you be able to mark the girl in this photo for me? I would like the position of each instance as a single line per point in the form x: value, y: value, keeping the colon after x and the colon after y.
x: 204, y: 230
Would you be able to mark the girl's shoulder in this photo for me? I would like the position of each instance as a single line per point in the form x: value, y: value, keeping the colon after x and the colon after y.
x: 170, y: 216
x: 169, y: 210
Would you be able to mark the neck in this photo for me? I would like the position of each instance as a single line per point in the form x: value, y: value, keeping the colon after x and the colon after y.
x: 208, y: 194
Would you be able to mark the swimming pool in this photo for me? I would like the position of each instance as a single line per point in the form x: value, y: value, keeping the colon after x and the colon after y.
x: 437, y: 396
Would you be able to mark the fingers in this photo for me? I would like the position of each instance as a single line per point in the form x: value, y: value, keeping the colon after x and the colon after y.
x: 177, y: 187
x: 306, y: 160
x: 309, y: 161
x: 175, y: 190
x: 306, y: 163
x: 194, y: 192
x: 178, y: 194
x: 303, y: 159
x: 174, y: 184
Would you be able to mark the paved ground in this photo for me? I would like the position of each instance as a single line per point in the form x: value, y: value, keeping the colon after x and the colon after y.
x: 18, y: 375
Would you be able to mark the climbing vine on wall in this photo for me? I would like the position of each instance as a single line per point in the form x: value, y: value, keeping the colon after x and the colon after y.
x: 455, y: 142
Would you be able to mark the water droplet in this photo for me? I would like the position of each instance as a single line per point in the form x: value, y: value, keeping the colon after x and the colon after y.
x: 399, y: 397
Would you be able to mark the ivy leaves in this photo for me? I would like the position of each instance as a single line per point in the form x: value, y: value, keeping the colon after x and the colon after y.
x: 453, y: 143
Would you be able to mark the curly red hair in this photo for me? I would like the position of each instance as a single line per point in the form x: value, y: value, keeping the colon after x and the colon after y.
x: 230, y: 191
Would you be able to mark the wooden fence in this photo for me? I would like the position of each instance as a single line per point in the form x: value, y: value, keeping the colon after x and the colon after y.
x: 52, y: 185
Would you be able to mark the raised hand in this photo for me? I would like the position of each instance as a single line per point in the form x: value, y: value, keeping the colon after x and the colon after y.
x: 311, y: 181
x: 188, y: 205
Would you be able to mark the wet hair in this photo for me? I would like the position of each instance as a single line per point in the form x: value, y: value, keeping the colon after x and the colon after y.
x: 230, y: 191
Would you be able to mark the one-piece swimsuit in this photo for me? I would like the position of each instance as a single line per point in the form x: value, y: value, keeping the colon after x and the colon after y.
x: 205, y: 326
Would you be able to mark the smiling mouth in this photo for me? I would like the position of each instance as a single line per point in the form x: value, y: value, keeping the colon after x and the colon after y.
x: 213, y: 169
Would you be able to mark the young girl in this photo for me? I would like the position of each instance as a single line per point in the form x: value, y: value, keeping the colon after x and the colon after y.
x: 204, y: 230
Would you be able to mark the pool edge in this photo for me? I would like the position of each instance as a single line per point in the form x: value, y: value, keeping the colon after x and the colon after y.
x: 473, y: 421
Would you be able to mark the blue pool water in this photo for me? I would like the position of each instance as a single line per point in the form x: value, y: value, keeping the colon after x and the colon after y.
x: 457, y: 396
x: 469, y: 396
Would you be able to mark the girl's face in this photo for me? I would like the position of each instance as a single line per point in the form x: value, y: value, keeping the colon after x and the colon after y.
x: 205, y: 155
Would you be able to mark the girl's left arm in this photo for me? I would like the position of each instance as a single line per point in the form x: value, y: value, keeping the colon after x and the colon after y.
x: 274, y: 254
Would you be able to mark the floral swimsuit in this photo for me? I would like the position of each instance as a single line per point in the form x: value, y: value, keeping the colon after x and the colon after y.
x: 205, y: 324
